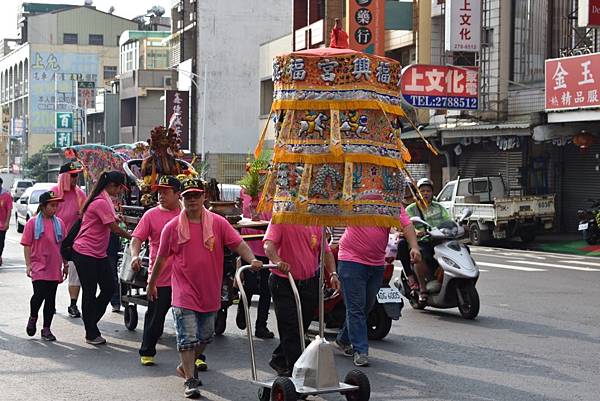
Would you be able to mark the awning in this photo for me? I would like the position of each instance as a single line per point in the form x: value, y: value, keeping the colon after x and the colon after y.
x: 549, y: 132
x: 426, y: 132
x: 455, y: 134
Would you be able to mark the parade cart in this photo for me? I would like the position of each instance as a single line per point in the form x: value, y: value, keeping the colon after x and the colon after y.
x: 338, y: 161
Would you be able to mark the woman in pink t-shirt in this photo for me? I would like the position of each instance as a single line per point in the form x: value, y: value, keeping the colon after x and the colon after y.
x: 89, y: 251
x: 41, y: 241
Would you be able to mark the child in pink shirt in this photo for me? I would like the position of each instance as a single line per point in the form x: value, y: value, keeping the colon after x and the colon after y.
x: 41, y: 240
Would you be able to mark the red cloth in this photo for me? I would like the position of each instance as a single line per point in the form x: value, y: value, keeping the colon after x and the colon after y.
x: 338, y: 39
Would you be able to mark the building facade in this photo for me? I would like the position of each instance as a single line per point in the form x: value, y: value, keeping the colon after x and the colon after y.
x: 58, y: 46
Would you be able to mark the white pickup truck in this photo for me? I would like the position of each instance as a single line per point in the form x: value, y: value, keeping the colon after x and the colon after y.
x: 496, y: 214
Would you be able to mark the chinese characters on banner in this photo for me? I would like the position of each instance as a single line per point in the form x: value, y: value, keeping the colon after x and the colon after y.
x: 86, y: 96
x: 366, y: 25
x: 177, y: 107
x: 463, y: 25
x: 573, y: 82
x: 440, y: 87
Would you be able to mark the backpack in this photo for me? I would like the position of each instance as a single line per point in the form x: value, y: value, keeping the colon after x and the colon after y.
x: 66, y: 247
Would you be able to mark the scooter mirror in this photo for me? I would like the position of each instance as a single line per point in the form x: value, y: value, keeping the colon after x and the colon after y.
x: 466, y: 213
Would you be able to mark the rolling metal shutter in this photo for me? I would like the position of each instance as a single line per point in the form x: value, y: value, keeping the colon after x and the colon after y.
x: 481, y: 163
x: 580, y: 182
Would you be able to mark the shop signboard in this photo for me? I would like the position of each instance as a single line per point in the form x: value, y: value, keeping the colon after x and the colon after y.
x: 440, y: 87
x: 588, y: 13
x: 366, y: 25
x: 177, y: 114
x: 463, y: 26
x: 573, y: 82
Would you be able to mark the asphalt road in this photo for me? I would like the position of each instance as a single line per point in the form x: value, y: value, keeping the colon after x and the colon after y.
x: 537, y: 338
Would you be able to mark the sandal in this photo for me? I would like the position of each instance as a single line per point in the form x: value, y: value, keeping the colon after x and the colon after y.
x: 423, y: 295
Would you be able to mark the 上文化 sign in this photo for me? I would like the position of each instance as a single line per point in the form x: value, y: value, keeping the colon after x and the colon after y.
x: 366, y: 25
x: 463, y: 25
x: 588, y: 13
x: 177, y: 115
x: 440, y: 87
x: 573, y: 82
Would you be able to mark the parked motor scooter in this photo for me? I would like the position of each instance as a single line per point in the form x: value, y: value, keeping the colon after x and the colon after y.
x: 460, y: 272
x: 588, y: 222
x: 379, y: 322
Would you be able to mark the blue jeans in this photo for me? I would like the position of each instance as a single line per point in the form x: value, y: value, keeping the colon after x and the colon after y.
x: 193, y: 327
x: 360, y: 285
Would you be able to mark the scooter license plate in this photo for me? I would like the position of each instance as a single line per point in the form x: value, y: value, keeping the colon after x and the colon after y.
x: 583, y: 226
x: 388, y: 296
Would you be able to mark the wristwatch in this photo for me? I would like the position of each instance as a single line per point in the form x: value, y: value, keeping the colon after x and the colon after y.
x: 334, y: 274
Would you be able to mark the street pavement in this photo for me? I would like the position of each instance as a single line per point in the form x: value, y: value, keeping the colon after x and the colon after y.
x: 537, y: 338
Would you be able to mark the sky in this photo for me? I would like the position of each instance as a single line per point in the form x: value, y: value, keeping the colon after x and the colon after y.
x: 127, y: 9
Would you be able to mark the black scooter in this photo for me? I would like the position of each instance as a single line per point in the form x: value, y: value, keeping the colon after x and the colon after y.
x: 588, y: 223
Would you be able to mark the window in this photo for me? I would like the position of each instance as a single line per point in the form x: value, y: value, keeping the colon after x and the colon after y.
x: 266, y: 96
x: 35, y: 196
x: 529, y: 40
x: 446, y: 195
x: 110, y: 71
x: 96, y: 40
x: 477, y: 187
x: 70, y: 38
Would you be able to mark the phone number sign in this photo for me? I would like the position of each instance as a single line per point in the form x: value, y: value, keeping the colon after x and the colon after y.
x: 440, y: 87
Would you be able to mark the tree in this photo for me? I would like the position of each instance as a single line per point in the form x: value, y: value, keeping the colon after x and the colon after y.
x: 36, y: 166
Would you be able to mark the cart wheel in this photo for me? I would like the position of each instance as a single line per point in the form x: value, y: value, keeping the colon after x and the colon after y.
x: 130, y: 316
x: 264, y: 394
x: 283, y: 390
x: 358, y: 378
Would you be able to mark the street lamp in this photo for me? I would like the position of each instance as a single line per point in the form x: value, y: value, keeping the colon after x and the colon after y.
x: 192, y: 77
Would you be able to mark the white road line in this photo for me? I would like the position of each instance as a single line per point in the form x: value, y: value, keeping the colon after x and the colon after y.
x: 581, y: 262
x: 488, y: 255
x: 527, y: 252
x: 584, y: 269
x: 510, y: 267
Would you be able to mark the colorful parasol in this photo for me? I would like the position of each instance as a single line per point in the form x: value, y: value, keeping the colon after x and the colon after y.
x: 96, y: 159
x: 338, y: 154
x: 136, y: 150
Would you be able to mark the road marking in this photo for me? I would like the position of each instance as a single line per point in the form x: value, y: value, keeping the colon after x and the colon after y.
x: 580, y: 262
x: 584, y: 269
x: 510, y: 267
x: 487, y: 255
x: 528, y: 252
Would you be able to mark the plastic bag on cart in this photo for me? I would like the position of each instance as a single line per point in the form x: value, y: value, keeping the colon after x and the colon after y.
x: 126, y: 273
x: 314, y: 367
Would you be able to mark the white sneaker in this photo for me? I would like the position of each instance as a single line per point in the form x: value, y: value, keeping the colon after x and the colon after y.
x: 360, y: 360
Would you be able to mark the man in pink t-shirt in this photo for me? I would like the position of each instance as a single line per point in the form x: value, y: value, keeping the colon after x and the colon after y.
x: 361, y: 259
x: 150, y: 227
x: 69, y: 211
x: 6, y: 204
x: 256, y: 282
x: 195, y: 242
x: 296, y: 249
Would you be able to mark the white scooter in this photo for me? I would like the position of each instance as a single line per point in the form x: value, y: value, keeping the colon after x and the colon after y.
x: 457, y: 286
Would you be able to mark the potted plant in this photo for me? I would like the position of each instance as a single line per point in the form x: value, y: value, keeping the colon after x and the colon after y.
x: 252, y: 183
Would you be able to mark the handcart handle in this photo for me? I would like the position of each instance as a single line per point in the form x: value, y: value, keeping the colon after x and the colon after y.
x: 244, y: 298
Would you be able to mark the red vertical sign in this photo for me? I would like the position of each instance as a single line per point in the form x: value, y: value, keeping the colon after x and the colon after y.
x: 366, y: 25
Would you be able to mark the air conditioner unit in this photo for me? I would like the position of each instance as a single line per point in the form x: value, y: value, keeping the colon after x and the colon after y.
x: 167, y: 82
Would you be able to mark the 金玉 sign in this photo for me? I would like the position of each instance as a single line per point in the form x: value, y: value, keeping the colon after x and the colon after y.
x: 463, y: 25
x: 440, y: 87
x: 573, y: 82
x: 366, y: 25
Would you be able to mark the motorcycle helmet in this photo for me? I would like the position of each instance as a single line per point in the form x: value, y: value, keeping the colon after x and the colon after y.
x: 424, y: 181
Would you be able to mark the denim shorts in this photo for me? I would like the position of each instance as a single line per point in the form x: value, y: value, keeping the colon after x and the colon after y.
x: 193, y: 327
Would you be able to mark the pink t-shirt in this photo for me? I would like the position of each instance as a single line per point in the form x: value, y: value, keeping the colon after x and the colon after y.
x: 197, y: 272
x: 94, y: 234
x: 46, y: 261
x: 68, y: 209
x: 298, y: 245
x: 6, y: 204
x: 150, y: 227
x: 256, y: 246
x: 367, y: 245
